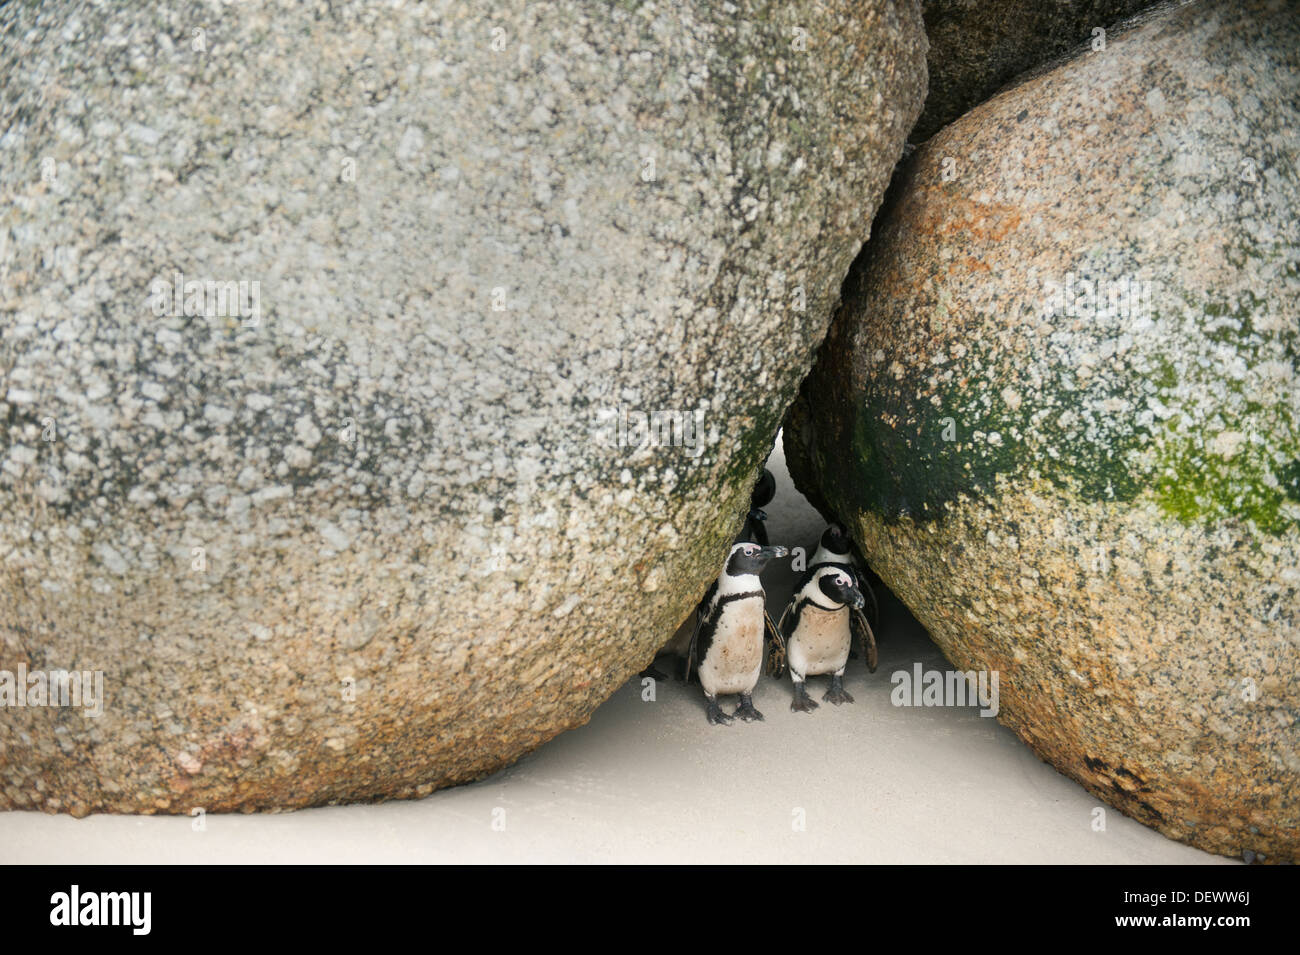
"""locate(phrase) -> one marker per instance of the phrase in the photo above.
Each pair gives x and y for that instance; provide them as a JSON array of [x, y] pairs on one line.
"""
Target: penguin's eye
[[842, 580], [751, 551]]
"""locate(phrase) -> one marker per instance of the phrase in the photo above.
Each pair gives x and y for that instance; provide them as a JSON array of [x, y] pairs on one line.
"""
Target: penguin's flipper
[[792, 612], [764, 489], [772, 629], [776, 648], [701, 613], [862, 630], [695, 637]]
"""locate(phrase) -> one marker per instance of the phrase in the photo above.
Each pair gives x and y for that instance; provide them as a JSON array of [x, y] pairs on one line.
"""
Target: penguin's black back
[[753, 532], [764, 490]]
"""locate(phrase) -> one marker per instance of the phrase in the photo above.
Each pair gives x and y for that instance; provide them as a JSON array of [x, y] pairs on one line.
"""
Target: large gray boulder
[[1060, 410], [380, 514]]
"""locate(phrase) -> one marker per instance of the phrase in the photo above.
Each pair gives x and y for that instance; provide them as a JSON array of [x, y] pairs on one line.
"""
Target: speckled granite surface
[[1098, 497], [352, 532], [977, 46]]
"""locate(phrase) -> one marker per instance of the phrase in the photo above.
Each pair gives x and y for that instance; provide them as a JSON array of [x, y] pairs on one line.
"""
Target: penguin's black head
[[842, 588], [751, 559], [764, 490], [835, 539]]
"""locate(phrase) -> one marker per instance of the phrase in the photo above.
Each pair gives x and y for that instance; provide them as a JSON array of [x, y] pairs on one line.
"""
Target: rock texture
[[976, 48], [363, 531], [1060, 410]]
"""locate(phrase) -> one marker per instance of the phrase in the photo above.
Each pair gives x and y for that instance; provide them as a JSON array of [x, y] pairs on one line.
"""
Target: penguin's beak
[[771, 553], [758, 514], [853, 597]]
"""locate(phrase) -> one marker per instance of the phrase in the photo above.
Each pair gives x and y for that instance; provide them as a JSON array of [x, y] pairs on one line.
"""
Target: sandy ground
[[648, 780]]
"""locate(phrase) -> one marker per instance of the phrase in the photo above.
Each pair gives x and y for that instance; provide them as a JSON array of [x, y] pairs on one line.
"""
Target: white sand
[[653, 782]]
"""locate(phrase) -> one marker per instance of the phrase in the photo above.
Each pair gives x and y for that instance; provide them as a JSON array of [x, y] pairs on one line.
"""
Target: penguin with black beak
[[820, 622], [731, 627], [836, 547], [754, 531]]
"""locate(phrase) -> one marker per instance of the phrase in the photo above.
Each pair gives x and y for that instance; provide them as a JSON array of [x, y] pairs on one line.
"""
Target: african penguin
[[754, 531], [835, 547], [764, 490], [819, 631], [730, 630]]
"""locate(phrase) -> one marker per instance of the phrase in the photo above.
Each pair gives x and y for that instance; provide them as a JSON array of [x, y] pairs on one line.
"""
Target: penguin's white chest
[[820, 643], [735, 658]]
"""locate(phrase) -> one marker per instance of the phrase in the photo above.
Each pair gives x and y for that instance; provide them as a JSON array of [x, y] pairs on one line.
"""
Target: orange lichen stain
[[938, 213]]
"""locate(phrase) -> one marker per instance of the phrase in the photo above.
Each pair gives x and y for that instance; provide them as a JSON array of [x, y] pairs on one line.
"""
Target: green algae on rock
[[1067, 368], [360, 537]]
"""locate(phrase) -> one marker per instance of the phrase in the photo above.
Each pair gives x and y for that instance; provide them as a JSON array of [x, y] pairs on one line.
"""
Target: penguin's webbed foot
[[837, 694], [716, 716], [802, 702], [746, 711]]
